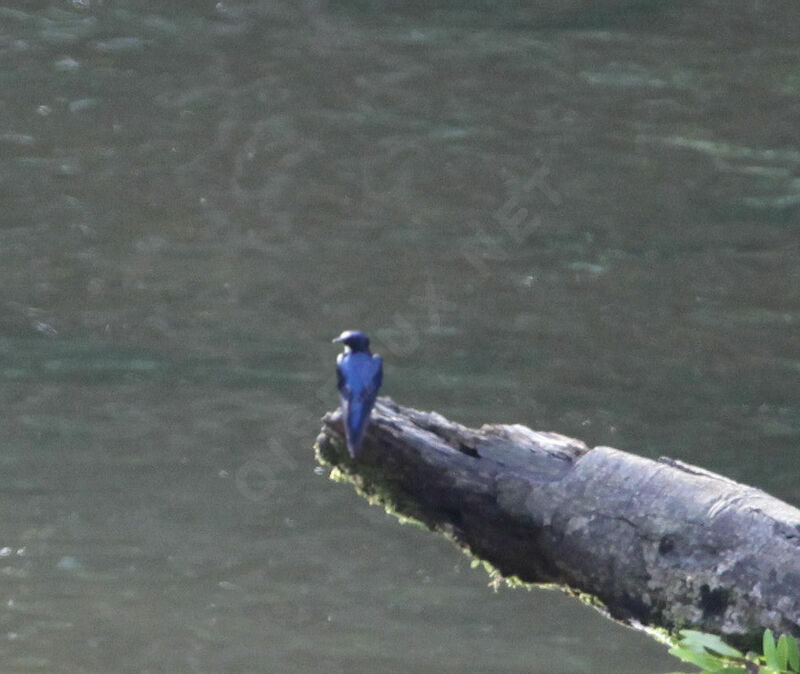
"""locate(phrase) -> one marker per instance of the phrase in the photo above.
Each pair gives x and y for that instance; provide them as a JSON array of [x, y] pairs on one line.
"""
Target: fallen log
[[652, 543]]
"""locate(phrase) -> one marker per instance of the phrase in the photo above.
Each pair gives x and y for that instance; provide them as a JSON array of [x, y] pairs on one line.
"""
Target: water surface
[[581, 219]]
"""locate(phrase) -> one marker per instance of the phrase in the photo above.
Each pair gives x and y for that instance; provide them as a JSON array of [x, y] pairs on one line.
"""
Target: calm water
[[585, 221]]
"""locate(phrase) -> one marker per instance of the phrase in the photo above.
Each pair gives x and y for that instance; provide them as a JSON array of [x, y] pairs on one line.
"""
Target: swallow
[[359, 375]]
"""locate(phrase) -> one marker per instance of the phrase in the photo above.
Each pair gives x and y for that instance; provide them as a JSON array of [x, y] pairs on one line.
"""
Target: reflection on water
[[582, 219]]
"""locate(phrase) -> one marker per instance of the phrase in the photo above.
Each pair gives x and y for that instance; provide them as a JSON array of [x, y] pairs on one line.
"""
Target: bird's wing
[[372, 383], [377, 380], [370, 377]]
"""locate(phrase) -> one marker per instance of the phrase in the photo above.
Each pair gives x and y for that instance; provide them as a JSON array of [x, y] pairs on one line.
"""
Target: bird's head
[[353, 340]]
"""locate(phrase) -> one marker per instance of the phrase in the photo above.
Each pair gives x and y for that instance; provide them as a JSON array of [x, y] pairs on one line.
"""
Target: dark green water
[[581, 218]]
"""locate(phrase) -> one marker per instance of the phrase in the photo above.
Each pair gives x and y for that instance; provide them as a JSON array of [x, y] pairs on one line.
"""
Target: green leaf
[[782, 652], [794, 653], [770, 655], [697, 641], [702, 660]]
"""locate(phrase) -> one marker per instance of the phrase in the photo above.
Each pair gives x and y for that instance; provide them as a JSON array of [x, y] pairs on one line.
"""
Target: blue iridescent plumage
[[359, 377]]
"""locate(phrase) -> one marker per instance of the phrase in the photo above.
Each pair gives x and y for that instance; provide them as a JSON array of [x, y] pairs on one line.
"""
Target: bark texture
[[659, 543]]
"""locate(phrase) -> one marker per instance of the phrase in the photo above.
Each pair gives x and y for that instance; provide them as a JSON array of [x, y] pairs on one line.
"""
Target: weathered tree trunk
[[659, 543]]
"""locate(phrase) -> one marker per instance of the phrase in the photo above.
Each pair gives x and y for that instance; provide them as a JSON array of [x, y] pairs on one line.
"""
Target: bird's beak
[[337, 339]]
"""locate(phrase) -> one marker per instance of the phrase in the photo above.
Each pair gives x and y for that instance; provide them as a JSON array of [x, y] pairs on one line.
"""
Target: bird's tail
[[356, 422]]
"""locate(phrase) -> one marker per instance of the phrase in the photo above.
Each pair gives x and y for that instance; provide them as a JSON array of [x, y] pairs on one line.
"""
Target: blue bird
[[360, 375]]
